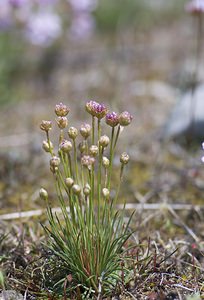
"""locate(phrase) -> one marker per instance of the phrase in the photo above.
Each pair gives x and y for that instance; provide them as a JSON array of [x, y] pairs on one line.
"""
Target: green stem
[[111, 157], [75, 161], [93, 131], [99, 172], [116, 138], [48, 140]]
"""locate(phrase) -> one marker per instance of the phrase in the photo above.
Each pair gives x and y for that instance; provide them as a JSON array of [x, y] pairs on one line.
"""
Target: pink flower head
[[112, 119], [125, 118], [195, 7], [100, 110], [90, 107], [61, 109]]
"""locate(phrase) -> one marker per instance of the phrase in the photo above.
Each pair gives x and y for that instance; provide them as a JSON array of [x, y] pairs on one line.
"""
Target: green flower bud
[[82, 147], [87, 189], [85, 130], [69, 182], [87, 161], [106, 193], [47, 146], [46, 125], [43, 194], [61, 110], [62, 122], [54, 161], [76, 189], [72, 132], [125, 118], [65, 146], [104, 141], [105, 162], [124, 158], [93, 150]]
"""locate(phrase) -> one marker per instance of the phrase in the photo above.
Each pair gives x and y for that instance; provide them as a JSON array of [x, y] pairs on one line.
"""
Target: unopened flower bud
[[105, 162], [69, 182], [104, 141], [65, 146], [72, 132], [46, 125], [106, 193], [125, 118], [62, 122], [82, 147], [87, 161], [112, 119], [90, 107], [43, 194], [53, 169], [124, 158], [47, 146], [93, 150], [85, 130], [54, 161], [61, 110], [76, 189], [86, 189]]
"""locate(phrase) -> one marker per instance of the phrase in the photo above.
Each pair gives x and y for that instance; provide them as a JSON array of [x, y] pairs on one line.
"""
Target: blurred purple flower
[[83, 5], [43, 28], [5, 15], [17, 3], [82, 26], [195, 6]]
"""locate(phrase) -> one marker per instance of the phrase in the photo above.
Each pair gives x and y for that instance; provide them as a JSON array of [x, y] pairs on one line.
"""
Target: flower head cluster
[[112, 119], [195, 7], [61, 110], [99, 110], [96, 109]]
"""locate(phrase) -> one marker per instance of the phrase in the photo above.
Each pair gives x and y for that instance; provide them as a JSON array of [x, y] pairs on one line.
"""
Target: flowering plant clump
[[90, 237]]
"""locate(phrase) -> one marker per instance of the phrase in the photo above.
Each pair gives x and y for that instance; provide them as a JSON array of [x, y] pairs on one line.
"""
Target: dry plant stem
[[198, 52]]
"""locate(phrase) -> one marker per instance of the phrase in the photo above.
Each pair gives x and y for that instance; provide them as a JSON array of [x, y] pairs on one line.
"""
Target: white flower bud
[[76, 189], [47, 146], [54, 161], [93, 150], [69, 182], [85, 130], [65, 146], [86, 189], [43, 194], [124, 158], [62, 122], [106, 193], [72, 132], [105, 162], [104, 141]]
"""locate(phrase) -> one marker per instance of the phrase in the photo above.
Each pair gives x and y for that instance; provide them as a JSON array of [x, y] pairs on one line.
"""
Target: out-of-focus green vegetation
[[11, 64], [139, 14]]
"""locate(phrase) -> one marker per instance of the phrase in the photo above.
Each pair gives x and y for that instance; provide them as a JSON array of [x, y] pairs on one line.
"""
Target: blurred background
[[133, 55]]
